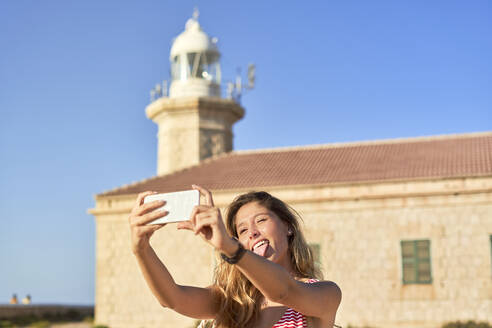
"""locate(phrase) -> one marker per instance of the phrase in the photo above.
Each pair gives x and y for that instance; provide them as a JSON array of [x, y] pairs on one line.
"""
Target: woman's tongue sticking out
[[261, 249]]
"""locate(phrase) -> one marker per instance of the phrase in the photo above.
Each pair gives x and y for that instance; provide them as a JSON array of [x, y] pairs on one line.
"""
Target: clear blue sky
[[75, 79]]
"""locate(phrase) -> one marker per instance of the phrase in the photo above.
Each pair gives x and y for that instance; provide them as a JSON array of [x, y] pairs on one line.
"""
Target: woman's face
[[263, 232]]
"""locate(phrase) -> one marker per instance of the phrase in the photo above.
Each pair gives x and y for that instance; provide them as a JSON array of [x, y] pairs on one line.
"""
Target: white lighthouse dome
[[195, 66], [193, 39]]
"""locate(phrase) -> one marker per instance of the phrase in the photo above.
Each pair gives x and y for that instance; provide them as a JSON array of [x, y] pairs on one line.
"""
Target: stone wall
[[360, 250]]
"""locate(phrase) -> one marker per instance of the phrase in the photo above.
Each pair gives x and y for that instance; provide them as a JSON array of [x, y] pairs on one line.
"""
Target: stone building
[[403, 226]]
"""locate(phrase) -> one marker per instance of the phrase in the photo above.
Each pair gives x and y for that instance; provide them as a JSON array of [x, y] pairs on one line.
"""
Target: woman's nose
[[253, 233]]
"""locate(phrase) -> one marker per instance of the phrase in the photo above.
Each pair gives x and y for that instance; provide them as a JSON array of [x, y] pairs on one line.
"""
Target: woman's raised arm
[[191, 301]]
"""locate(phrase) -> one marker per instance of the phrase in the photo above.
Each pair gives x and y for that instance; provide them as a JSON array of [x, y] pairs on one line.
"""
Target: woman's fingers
[[196, 210], [205, 192], [145, 230], [140, 215], [141, 196], [199, 213], [149, 217], [140, 208], [204, 222], [148, 207], [188, 225]]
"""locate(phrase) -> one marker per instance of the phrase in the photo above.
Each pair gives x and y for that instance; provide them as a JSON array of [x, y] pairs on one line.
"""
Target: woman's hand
[[140, 215], [206, 221]]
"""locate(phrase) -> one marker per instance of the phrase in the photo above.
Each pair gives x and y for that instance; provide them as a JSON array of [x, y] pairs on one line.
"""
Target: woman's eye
[[242, 231], [262, 219]]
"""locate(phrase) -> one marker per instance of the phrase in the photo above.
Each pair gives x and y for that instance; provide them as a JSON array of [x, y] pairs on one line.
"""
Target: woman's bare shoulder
[[328, 287]]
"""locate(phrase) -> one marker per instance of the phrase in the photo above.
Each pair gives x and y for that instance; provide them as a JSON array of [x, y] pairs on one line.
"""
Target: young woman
[[266, 278]]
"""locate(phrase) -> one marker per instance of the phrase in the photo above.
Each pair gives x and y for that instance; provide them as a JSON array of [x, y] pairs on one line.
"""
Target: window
[[416, 262], [176, 68], [203, 65]]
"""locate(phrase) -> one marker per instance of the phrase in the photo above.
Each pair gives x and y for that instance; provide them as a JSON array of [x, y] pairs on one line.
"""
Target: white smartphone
[[179, 205]]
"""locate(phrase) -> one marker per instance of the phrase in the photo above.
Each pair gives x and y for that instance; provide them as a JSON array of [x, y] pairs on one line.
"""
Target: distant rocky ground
[[46, 316], [72, 325]]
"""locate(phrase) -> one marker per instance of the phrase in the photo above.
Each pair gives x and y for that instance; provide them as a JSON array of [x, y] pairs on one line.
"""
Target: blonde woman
[[266, 276]]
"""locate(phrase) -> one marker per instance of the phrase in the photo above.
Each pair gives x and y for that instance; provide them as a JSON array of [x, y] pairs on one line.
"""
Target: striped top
[[292, 318]]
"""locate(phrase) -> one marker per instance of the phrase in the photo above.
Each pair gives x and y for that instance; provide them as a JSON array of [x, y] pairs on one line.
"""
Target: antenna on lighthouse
[[251, 75], [235, 89], [239, 84]]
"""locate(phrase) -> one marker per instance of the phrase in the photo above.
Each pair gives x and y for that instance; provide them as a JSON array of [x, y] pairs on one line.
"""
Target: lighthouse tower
[[194, 121]]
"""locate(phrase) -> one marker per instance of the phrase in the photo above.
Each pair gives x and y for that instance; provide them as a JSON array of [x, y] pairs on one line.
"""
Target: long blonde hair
[[239, 300]]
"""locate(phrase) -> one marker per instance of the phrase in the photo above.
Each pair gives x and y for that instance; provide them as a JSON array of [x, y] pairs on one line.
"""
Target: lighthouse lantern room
[[195, 65]]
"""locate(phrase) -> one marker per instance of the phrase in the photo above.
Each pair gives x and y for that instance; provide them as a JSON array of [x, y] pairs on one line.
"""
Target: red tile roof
[[452, 156]]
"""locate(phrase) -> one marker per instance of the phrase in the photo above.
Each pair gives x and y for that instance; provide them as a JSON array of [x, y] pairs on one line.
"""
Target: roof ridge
[[365, 143]]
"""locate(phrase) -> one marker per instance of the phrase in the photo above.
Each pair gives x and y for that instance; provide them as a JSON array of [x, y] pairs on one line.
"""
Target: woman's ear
[[287, 228]]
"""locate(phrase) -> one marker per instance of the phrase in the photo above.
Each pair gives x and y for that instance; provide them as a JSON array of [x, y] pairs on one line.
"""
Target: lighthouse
[[194, 120]]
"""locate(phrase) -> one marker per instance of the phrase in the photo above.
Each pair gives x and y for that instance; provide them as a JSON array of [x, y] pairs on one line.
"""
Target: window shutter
[[416, 262]]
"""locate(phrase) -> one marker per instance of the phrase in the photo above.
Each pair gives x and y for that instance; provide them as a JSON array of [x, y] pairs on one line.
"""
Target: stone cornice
[[169, 105]]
